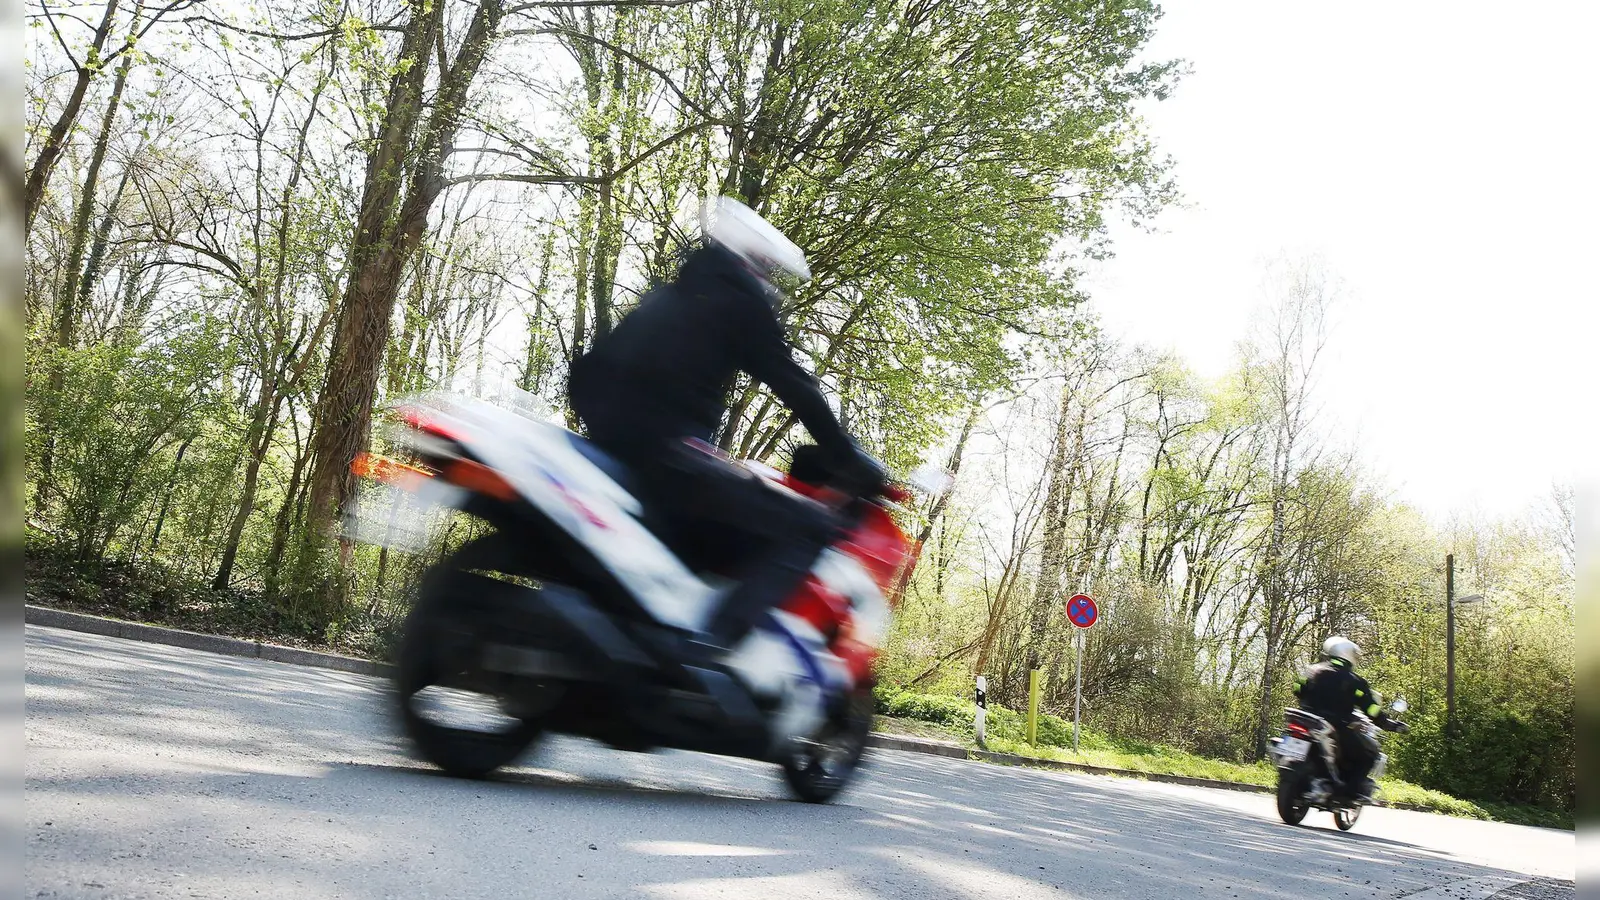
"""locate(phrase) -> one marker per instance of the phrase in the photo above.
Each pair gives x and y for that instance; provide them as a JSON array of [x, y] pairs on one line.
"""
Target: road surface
[[158, 772]]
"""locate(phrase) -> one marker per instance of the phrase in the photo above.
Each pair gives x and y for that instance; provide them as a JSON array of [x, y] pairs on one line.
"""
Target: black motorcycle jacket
[[1331, 690], [665, 370]]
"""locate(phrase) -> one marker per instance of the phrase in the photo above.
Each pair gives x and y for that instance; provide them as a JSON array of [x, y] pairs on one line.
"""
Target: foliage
[[1124, 472]]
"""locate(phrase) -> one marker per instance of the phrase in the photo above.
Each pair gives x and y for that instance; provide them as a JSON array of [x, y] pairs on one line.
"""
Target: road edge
[[953, 751], [50, 617]]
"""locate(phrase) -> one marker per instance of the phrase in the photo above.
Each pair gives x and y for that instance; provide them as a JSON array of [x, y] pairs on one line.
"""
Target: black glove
[[857, 473], [1398, 726]]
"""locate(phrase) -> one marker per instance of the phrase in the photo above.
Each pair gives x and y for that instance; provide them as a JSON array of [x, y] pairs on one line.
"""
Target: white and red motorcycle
[[566, 613]]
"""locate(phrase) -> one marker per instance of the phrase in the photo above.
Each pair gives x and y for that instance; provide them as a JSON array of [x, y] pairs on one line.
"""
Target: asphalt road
[[158, 772]]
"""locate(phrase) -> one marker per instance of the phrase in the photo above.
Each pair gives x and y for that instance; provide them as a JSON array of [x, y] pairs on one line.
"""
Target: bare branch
[[50, 17], [666, 77], [522, 178], [580, 4], [559, 178], [279, 36], [155, 19]]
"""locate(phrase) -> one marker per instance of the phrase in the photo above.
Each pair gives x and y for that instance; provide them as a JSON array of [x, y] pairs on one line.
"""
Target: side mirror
[[1400, 705], [931, 480]]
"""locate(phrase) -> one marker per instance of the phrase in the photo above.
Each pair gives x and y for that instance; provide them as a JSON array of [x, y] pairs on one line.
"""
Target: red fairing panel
[[882, 550]]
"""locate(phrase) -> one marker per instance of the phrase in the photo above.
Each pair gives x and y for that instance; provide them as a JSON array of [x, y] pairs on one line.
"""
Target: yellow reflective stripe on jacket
[[1374, 709]]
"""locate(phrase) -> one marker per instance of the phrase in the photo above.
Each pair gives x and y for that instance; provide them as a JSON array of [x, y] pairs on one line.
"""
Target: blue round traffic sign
[[1082, 611]]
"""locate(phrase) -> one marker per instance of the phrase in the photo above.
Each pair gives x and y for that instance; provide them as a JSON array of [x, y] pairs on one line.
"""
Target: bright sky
[[1441, 159]]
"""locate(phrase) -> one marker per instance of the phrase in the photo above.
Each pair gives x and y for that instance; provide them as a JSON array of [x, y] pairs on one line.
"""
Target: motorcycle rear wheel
[[1345, 817], [439, 648], [819, 768], [1291, 788]]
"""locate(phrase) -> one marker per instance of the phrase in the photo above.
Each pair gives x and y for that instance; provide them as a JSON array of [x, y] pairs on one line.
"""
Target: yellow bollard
[[1033, 706]]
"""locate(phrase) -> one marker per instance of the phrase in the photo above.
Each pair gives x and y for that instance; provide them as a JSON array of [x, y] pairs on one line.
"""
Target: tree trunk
[[67, 305], [285, 521], [67, 311], [953, 468], [383, 242], [1057, 507], [537, 361], [1273, 595], [101, 246], [55, 143], [258, 439], [166, 499]]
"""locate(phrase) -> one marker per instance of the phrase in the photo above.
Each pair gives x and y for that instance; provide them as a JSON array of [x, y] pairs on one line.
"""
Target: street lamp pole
[[1450, 601], [1450, 643]]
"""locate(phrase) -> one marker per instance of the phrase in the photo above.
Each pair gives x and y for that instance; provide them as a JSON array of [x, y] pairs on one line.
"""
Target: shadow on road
[[292, 777]]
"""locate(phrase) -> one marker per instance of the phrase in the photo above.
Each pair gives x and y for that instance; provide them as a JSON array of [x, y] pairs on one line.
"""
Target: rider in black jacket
[[1334, 691], [653, 392]]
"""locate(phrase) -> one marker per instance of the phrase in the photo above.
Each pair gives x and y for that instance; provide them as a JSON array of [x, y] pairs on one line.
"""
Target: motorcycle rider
[[653, 393], [1333, 690]]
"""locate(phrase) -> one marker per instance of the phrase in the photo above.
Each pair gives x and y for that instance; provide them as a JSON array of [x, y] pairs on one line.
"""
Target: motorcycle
[[1307, 758], [568, 613]]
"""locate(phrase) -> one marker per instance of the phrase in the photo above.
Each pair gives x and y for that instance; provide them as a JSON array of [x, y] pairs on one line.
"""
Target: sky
[[1440, 159]]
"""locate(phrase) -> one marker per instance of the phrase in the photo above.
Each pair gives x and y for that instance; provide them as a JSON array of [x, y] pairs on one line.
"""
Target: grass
[[949, 719], [1165, 761]]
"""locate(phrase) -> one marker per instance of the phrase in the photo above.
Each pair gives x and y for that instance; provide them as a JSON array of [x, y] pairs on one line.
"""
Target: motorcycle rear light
[[390, 471], [479, 478], [1298, 730]]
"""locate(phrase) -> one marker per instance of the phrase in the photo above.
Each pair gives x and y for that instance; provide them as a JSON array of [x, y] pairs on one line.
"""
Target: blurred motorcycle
[[567, 611]]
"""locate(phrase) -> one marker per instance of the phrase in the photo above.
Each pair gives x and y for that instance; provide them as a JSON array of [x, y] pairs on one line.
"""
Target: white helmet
[[1340, 647], [740, 229]]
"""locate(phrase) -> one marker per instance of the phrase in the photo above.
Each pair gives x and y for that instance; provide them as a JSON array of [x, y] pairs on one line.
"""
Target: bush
[[1002, 723]]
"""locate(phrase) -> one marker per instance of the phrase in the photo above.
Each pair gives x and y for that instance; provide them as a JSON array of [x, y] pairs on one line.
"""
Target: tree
[[404, 177], [99, 53], [1296, 336]]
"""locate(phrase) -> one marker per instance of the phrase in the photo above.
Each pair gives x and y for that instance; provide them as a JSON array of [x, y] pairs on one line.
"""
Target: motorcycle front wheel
[[1291, 790], [1346, 817], [818, 768]]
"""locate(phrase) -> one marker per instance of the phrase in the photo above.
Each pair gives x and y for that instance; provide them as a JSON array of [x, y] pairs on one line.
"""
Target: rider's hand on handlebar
[[858, 473]]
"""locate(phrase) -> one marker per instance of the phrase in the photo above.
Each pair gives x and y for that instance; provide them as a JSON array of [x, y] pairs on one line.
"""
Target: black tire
[[1291, 788], [819, 770], [1345, 817], [439, 648]]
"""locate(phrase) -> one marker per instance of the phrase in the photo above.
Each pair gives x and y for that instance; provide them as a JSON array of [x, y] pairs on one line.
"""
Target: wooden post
[[1033, 706]]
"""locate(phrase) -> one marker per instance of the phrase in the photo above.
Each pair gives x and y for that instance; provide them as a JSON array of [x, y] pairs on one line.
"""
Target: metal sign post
[[1082, 612], [1077, 691]]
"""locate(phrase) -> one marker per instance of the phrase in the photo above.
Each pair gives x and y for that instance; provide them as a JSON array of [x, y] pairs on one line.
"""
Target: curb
[[953, 751], [191, 640]]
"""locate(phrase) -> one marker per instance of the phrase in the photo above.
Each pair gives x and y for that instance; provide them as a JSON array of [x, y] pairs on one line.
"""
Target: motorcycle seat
[[708, 547]]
